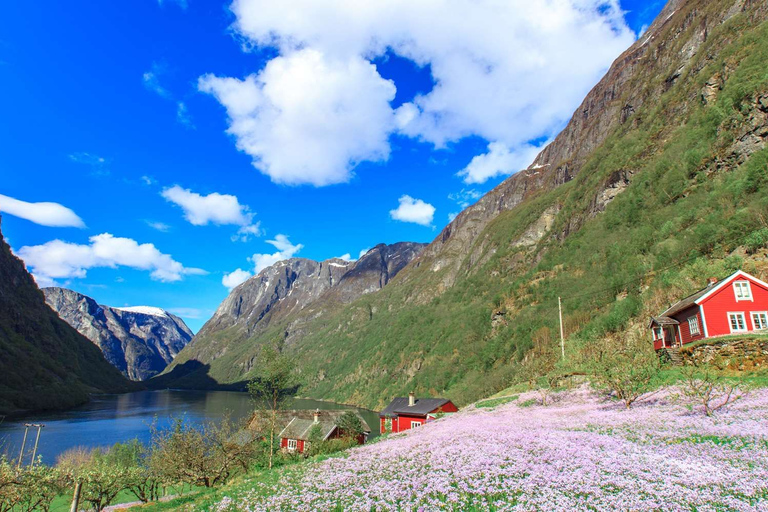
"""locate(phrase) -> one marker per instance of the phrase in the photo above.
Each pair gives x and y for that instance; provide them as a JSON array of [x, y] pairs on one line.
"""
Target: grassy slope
[[687, 208], [45, 363]]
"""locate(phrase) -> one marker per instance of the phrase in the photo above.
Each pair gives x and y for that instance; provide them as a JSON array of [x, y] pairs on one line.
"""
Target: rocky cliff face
[[288, 292], [140, 341], [44, 363]]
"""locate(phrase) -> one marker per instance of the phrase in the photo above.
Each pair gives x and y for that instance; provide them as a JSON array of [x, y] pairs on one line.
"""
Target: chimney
[[317, 416], [411, 399], [712, 282]]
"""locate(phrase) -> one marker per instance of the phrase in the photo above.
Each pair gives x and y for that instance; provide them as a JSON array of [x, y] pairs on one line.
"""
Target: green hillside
[[675, 193], [45, 363]]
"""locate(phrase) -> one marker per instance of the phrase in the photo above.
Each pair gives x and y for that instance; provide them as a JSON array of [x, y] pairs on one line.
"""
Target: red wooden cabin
[[406, 413], [737, 304], [295, 436]]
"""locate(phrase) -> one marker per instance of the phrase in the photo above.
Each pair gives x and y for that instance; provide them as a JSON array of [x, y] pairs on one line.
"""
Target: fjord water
[[109, 419]]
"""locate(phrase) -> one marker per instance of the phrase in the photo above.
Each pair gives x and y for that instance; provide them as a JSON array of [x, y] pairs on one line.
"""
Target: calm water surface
[[109, 419]]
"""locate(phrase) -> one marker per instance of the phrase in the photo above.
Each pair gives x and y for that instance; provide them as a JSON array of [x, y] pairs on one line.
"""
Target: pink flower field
[[582, 453]]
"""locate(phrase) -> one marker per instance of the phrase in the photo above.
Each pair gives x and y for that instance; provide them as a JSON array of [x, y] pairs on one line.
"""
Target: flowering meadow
[[581, 452]]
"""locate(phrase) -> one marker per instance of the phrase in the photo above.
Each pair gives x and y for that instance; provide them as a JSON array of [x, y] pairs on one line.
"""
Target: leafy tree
[[29, 489], [350, 425], [273, 388]]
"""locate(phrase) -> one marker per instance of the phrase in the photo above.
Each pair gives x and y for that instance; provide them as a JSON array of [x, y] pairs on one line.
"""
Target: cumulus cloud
[[308, 118], [345, 257], [509, 72], [60, 260], [214, 208], [45, 214], [235, 278], [285, 250], [498, 161], [413, 210]]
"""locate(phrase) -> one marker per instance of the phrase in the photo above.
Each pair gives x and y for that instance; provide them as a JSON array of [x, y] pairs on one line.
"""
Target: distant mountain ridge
[[289, 292], [44, 363], [140, 341]]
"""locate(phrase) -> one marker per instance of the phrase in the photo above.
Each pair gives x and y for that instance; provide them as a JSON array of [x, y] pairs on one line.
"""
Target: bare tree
[[707, 386]]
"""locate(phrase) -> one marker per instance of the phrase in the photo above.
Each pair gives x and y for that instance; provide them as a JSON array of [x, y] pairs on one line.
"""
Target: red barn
[[737, 304], [405, 413]]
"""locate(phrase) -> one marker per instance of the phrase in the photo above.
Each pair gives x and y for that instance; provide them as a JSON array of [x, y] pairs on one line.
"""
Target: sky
[[162, 153]]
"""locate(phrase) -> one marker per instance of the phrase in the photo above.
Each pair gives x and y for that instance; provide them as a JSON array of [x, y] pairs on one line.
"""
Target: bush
[[706, 386]]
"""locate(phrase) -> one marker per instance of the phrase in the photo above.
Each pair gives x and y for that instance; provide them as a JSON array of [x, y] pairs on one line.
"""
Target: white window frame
[[744, 285], [292, 445], [743, 321], [764, 320], [694, 329], [415, 423]]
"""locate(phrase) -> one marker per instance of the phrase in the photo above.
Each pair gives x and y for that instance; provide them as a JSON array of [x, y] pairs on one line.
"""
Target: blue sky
[[106, 109]]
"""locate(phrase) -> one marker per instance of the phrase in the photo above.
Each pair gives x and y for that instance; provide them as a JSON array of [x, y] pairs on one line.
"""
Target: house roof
[[663, 320], [261, 419], [422, 407], [697, 297], [300, 429]]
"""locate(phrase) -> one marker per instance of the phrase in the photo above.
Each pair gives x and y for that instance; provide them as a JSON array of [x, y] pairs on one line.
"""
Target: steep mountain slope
[[282, 294], [659, 181], [45, 364], [139, 341]]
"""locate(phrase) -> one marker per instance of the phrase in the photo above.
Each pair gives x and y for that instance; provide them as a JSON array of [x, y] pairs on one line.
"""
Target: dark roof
[[664, 320], [261, 418], [422, 407], [687, 302], [299, 429]]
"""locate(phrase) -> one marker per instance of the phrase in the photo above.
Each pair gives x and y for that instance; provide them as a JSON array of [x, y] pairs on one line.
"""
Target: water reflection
[[109, 419]]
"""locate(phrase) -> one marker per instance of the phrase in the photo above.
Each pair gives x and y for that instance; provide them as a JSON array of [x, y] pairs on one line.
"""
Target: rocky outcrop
[[667, 49], [749, 353], [139, 341], [294, 291], [44, 363]]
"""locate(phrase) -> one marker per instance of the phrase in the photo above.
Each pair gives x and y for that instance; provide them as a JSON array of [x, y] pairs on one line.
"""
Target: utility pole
[[37, 440], [562, 332], [23, 444]]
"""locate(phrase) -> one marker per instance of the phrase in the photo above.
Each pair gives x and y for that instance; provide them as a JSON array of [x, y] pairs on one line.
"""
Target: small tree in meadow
[[273, 388], [627, 368], [705, 385], [28, 489], [350, 425]]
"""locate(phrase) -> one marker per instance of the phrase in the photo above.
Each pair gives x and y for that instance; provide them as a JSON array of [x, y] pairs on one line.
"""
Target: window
[[415, 424], [292, 444], [693, 326], [760, 320], [738, 324], [742, 290], [658, 333]]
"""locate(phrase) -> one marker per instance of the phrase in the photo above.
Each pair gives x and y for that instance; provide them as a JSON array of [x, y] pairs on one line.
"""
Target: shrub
[[706, 386]]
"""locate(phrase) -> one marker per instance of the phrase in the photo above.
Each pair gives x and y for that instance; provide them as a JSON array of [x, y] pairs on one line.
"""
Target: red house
[[406, 413], [737, 304], [295, 436]]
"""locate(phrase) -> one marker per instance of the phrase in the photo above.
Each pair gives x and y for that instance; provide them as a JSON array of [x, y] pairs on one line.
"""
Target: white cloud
[[345, 257], [509, 72], [498, 161], [148, 180], [159, 226], [214, 208], [307, 118], [182, 115], [285, 250], [452, 216], [235, 278], [465, 197], [98, 164], [60, 260], [413, 210], [151, 81], [363, 252], [45, 214]]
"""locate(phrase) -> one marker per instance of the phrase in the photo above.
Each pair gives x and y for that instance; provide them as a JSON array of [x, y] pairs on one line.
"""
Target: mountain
[[45, 363], [285, 294], [659, 181], [139, 341]]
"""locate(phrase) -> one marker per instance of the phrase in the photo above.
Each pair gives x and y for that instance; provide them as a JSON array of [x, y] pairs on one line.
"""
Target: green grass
[[495, 402]]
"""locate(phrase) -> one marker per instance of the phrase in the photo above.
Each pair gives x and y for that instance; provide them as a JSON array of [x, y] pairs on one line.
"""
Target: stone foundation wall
[[741, 354]]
